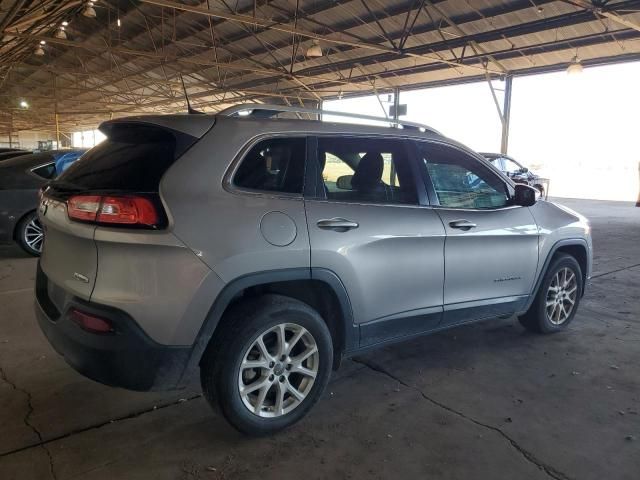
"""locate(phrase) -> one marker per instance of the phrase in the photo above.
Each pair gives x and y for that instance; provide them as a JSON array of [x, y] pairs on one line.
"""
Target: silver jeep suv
[[263, 250]]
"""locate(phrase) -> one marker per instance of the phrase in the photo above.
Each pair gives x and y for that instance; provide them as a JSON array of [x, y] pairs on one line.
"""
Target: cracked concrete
[[42, 442], [549, 470], [27, 421], [482, 401]]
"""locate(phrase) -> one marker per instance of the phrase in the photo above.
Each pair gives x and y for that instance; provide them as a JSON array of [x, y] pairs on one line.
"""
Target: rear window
[[132, 158]]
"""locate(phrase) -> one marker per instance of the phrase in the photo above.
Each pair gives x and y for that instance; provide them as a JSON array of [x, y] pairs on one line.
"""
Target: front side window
[[274, 165], [461, 181], [369, 170]]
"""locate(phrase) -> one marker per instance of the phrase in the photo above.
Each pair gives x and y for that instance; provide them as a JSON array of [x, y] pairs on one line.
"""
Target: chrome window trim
[[369, 204]]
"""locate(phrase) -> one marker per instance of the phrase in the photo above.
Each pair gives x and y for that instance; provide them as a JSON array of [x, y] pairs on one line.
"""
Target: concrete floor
[[485, 401]]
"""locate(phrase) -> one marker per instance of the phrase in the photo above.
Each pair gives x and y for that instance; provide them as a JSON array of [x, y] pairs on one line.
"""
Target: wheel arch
[[320, 288], [18, 222], [577, 248]]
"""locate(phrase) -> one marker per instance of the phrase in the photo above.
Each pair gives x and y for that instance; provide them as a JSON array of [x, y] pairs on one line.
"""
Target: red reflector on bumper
[[91, 323]]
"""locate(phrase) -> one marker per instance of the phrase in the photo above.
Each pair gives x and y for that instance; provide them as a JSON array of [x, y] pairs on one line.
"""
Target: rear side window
[[369, 170], [47, 171], [274, 165], [132, 158]]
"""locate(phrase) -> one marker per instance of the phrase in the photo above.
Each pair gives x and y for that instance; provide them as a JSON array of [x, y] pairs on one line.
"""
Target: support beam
[[396, 104], [606, 13], [506, 114], [507, 54], [477, 48], [257, 22]]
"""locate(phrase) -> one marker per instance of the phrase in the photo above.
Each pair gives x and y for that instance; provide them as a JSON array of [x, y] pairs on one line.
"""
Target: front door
[[491, 251], [367, 225]]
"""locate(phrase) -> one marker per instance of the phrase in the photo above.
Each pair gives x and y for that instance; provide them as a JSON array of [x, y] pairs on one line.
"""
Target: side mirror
[[525, 196], [344, 182], [524, 170]]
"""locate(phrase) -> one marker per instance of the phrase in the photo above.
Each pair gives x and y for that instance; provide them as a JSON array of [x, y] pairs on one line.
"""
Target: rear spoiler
[[193, 125]]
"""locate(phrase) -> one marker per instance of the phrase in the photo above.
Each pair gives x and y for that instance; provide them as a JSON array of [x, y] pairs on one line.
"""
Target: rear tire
[[558, 297], [257, 380], [29, 234]]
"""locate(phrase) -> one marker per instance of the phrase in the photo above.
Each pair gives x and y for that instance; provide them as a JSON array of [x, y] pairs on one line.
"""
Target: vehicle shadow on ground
[[12, 252]]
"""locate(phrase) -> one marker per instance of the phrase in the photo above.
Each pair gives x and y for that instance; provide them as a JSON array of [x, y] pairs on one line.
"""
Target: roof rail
[[259, 110]]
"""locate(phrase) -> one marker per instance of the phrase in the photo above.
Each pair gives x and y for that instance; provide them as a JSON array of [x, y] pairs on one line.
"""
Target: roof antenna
[[190, 110]]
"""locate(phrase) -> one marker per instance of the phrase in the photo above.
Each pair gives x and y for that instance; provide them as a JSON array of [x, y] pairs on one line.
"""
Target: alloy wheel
[[34, 234], [278, 370], [561, 296]]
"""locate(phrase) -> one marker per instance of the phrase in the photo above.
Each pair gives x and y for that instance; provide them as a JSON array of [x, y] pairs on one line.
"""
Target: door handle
[[462, 224], [337, 224]]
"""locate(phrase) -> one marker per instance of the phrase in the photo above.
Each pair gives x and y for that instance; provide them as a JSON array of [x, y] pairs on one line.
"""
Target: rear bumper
[[127, 358]]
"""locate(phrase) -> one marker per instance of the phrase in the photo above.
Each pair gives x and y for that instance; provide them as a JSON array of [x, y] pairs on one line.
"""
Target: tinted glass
[[366, 170], [46, 171], [132, 158], [275, 165], [460, 180]]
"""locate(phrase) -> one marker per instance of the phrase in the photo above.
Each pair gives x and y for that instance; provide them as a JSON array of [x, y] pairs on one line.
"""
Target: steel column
[[506, 114], [396, 104]]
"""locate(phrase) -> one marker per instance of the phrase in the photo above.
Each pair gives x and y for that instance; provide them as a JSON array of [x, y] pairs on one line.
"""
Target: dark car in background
[[20, 180], [518, 173], [7, 153], [10, 149]]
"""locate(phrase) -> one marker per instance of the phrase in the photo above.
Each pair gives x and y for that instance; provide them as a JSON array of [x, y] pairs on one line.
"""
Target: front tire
[[30, 234], [558, 297], [269, 364]]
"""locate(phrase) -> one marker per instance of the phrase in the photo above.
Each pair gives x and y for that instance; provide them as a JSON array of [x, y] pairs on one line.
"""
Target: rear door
[[367, 225], [491, 251]]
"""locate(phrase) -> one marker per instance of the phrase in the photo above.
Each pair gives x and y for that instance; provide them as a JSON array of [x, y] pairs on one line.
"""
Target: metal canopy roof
[[128, 59]]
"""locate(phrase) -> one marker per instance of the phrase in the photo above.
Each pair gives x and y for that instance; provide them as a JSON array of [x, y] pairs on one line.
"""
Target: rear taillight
[[91, 323], [113, 210], [84, 207]]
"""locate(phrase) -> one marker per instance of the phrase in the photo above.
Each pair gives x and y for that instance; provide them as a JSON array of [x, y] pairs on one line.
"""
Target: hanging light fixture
[[39, 51], [575, 67], [89, 11], [314, 51], [61, 34]]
